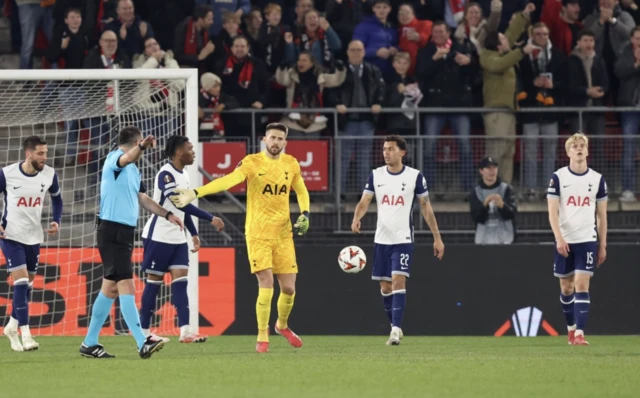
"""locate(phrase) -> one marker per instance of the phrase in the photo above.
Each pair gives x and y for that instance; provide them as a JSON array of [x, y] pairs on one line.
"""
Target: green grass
[[325, 367]]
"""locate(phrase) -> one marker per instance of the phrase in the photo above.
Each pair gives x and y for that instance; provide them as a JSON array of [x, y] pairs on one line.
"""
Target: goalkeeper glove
[[302, 224], [183, 197]]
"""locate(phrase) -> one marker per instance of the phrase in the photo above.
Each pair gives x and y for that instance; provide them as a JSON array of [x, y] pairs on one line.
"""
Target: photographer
[[493, 207]]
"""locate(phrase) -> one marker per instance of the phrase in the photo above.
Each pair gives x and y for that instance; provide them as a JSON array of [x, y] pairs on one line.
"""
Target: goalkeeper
[[270, 176]]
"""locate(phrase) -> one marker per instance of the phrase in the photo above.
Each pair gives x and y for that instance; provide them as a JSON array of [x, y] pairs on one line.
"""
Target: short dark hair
[[30, 143], [585, 32], [440, 22], [492, 41], [72, 9], [399, 140], [240, 37], [279, 127], [201, 11], [173, 144], [129, 135]]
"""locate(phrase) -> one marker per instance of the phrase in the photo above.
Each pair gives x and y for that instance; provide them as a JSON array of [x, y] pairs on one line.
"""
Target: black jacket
[[629, 75], [374, 88], [258, 89], [191, 60], [577, 81], [397, 122], [273, 41], [344, 16], [75, 52], [444, 83], [479, 213], [557, 67], [94, 60]]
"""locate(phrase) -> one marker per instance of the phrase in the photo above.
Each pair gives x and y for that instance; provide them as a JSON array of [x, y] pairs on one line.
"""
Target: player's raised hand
[[563, 247], [183, 197], [355, 226], [438, 249], [301, 226], [148, 142], [173, 219], [196, 244], [53, 228], [217, 223], [602, 256]]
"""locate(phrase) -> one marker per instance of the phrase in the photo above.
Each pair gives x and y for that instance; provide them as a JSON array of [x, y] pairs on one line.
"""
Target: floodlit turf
[[330, 367]]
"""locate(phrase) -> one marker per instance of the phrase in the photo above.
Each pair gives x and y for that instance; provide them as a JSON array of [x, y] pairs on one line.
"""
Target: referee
[[121, 194]]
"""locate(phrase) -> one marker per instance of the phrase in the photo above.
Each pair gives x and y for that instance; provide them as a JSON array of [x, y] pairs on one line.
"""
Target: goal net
[[79, 113]]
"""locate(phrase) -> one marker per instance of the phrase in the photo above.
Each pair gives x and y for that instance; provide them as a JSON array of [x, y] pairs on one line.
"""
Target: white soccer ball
[[352, 259]]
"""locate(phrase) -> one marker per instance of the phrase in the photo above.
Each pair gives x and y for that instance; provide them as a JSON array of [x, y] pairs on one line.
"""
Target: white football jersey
[[395, 194], [157, 228], [23, 201], [578, 194]]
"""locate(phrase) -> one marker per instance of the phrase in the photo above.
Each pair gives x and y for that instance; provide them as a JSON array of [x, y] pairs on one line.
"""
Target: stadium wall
[[474, 290]]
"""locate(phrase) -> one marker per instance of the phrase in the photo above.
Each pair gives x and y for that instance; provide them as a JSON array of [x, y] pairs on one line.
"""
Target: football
[[352, 259]]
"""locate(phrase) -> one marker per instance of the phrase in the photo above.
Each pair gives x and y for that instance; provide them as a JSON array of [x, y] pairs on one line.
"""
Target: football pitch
[[330, 367]]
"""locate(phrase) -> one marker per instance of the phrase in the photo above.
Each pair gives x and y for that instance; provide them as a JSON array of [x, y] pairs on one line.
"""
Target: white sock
[[570, 328], [25, 331], [13, 323], [579, 332], [146, 332], [185, 330], [395, 329]]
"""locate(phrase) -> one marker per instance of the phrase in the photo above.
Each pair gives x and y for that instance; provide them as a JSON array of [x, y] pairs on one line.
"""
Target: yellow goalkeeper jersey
[[269, 183]]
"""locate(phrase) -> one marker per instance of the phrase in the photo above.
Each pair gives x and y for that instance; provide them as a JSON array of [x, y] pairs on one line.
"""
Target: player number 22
[[589, 257], [404, 260]]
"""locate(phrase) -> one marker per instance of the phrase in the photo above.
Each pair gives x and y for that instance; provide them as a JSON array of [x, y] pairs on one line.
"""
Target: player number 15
[[589, 257]]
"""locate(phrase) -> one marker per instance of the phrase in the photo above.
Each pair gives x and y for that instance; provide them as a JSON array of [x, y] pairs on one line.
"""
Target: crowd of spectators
[[371, 54]]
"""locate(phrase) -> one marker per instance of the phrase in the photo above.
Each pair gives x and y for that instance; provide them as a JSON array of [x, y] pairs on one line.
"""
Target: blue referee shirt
[[119, 191]]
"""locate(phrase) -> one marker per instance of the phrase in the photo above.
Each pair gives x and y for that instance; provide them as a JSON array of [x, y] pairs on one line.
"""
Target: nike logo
[[566, 186], [17, 187], [261, 174], [590, 267], [381, 185], [404, 267], [583, 312]]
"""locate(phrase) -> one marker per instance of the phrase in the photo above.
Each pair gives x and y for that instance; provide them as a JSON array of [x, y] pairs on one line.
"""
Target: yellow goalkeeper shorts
[[276, 254]]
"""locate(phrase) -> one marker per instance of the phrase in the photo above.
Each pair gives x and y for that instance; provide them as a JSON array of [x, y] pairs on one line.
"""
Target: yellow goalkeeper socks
[[263, 311], [285, 305]]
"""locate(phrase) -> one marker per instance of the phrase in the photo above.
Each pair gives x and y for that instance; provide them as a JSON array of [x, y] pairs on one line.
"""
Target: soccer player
[[395, 187], [25, 184], [165, 244], [575, 196], [270, 176], [121, 194]]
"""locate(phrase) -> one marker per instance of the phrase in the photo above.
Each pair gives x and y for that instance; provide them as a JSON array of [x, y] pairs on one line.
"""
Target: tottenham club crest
[[167, 178]]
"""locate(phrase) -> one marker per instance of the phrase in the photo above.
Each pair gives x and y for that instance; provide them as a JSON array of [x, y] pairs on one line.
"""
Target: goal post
[[79, 113]]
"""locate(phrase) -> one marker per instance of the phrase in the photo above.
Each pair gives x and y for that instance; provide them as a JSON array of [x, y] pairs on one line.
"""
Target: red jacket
[[560, 32], [412, 47]]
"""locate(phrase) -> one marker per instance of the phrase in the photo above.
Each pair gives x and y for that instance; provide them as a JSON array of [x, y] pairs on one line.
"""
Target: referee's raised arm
[[134, 154]]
